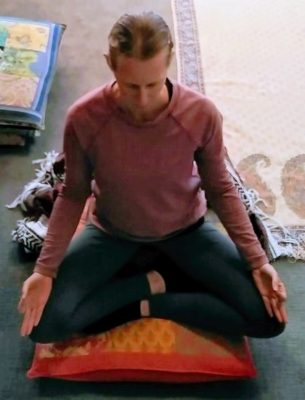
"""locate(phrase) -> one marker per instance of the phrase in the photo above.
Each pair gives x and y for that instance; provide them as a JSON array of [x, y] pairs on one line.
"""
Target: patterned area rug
[[247, 57]]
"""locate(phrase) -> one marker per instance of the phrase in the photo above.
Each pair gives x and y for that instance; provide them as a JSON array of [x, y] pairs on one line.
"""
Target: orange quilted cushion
[[145, 350]]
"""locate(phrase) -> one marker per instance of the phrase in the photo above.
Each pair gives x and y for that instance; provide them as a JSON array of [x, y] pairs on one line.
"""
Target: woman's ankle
[[156, 282], [144, 308]]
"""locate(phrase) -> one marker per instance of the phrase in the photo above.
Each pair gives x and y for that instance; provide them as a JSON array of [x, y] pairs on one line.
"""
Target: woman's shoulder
[[91, 104], [191, 99], [193, 110]]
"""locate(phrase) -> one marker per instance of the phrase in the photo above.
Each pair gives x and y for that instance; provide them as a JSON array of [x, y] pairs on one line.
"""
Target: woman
[[145, 146]]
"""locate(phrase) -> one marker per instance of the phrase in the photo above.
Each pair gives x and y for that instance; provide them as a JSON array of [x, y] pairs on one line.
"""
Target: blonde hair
[[140, 36]]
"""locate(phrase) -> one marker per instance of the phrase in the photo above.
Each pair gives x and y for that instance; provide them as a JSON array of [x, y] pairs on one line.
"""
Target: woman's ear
[[108, 61], [170, 57]]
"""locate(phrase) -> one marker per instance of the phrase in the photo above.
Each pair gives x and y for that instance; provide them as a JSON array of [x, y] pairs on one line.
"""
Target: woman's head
[[139, 36], [140, 50]]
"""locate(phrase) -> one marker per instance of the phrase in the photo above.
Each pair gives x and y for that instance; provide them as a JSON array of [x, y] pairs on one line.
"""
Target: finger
[[280, 287], [24, 325], [275, 307], [268, 305], [23, 295], [27, 322], [38, 315], [24, 292], [21, 305], [283, 312], [31, 322], [282, 292], [276, 282], [281, 297]]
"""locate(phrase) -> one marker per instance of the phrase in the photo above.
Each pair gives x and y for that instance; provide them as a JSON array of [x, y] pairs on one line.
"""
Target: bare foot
[[144, 308], [156, 282]]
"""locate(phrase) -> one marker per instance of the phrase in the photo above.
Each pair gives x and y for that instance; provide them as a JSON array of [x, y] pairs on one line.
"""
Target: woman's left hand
[[272, 290]]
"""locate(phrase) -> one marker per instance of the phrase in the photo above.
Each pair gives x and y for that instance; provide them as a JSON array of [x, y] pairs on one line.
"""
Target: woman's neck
[[140, 116]]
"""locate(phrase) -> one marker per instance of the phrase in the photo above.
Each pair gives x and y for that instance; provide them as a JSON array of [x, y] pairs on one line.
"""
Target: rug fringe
[[279, 241], [45, 178]]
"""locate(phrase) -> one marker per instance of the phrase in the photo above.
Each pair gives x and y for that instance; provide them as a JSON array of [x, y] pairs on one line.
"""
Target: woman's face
[[141, 82]]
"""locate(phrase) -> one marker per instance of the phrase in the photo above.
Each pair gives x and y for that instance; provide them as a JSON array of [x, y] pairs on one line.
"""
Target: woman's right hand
[[34, 296]]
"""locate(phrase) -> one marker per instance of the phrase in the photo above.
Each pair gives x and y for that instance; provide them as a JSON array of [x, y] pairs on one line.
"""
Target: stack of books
[[28, 54], [17, 135]]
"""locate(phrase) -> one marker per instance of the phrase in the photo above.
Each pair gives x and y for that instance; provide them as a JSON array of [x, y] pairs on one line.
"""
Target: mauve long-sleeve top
[[149, 179]]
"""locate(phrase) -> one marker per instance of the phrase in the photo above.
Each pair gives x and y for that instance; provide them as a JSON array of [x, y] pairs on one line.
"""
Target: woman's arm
[[69, 203], [221, 192]]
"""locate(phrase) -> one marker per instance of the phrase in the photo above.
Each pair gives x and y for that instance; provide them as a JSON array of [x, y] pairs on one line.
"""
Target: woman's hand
[[35, 293], [272, 290]]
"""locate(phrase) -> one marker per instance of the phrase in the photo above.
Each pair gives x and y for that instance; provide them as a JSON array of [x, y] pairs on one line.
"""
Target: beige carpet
[[248, 57]]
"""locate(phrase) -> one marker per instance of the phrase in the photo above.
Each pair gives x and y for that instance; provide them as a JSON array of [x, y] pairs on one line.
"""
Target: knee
[[275, 328], [38, 338], [51, 329], [50, 334], [41, 335], [47, 332], [267, 329]]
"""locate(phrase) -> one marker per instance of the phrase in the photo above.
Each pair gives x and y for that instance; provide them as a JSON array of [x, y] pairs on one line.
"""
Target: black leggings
[[209, 287]]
